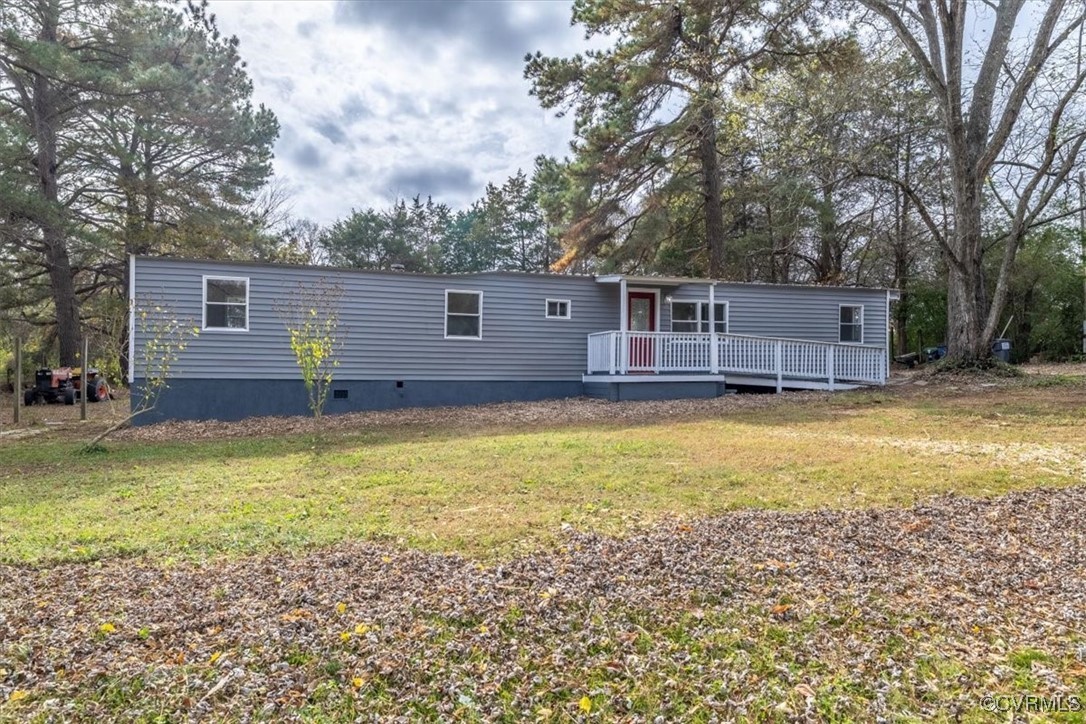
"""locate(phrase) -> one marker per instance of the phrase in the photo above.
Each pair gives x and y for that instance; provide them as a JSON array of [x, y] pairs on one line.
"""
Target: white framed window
[[558, 309], [226, 304], [851, 321], [463, 314], [692, 316]]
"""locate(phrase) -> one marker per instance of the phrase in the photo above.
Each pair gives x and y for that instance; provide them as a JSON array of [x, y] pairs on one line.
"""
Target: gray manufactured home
[[452, 339]]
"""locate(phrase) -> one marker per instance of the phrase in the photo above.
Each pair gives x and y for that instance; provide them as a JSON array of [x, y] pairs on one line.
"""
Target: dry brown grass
[[495, 479], [257, 597]]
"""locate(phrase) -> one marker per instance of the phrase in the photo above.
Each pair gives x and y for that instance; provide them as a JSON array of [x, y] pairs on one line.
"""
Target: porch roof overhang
[[651, 280], [666, 281]]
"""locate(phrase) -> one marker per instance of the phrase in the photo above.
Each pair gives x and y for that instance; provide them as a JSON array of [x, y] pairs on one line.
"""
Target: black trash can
[[1001, 349]]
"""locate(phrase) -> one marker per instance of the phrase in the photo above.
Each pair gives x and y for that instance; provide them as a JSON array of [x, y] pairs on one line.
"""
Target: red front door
[[641, 317]]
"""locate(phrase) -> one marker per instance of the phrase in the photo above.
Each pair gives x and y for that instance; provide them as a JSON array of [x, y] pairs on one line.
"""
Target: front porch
[[712, 357]]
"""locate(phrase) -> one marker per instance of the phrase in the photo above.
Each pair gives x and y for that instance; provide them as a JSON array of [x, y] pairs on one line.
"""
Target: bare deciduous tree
[[1012, 123], [164, 336]]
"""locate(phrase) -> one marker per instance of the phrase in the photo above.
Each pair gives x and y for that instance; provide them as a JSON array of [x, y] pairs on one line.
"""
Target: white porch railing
[[683, 352]]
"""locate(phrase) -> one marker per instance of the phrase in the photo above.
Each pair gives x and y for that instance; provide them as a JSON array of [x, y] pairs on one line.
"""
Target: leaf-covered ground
[[874, 596], [897, 614]]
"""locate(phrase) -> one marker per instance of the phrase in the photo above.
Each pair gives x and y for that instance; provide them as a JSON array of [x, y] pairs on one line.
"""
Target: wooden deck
[[738, 359]]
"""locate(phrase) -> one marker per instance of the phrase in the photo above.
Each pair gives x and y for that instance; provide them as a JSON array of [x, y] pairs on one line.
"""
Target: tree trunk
[[1024, 326], [64, 299], [966, 305], [136, 226], [711, 190], [829, 252], [903, 206], [46, 100], [901, 309], [963, 318], [773, 276]]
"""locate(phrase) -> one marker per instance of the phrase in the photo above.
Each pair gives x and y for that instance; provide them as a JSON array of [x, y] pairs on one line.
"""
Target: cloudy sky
[[379, 100]]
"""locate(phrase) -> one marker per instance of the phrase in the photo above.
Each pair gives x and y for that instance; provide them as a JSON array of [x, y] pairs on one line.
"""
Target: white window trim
[[476, 292], [547, 309], [839, 322], [699, 320], [203, 306]]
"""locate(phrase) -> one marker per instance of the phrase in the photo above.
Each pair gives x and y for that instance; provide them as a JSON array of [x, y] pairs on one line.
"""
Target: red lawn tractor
[[65, 384]]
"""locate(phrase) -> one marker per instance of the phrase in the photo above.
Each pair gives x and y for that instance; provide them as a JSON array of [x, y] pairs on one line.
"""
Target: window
[[226, 303], [852, 324], [558, 309], [694, 317], [463, 314]]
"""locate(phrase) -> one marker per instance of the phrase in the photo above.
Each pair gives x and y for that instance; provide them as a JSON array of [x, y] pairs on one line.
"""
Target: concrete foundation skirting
[[192, 399], [618, 391]]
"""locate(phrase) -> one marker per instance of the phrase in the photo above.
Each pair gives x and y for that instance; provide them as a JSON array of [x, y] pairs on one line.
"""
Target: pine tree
[[125, 127], [649, 109]]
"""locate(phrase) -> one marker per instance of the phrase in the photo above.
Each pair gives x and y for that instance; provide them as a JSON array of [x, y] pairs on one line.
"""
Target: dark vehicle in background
[[1001, 350], [928, 354], [65, 385]]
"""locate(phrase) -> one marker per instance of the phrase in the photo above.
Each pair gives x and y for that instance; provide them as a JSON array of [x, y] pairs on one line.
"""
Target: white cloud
[[385, 99]]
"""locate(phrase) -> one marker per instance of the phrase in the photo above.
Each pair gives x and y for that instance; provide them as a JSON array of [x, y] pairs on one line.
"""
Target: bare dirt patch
[[63, 416]]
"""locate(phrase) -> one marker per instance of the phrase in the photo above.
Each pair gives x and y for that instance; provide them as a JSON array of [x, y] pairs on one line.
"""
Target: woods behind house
[[934, 149]]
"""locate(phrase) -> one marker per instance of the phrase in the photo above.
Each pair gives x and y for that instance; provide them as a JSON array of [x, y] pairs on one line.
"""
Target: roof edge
[[599, 278], [675, 281]]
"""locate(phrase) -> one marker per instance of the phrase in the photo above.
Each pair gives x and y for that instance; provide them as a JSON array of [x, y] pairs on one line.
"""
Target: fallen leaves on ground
[[860, 614], [573, 410]]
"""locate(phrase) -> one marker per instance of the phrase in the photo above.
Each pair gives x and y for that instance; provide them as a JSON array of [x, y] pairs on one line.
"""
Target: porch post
[[830, 372], [624, 348], [714, 355], [778, 362]]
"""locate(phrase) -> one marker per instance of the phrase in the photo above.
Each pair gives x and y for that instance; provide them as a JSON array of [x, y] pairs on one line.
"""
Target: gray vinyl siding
[[782, 311], [394, 323]]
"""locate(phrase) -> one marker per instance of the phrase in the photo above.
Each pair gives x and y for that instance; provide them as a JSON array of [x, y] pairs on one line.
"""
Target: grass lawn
[[304, 576], [492, 492]]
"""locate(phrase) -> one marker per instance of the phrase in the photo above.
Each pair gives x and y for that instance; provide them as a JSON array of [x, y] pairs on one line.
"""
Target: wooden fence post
[[83, 381], [18, 379]]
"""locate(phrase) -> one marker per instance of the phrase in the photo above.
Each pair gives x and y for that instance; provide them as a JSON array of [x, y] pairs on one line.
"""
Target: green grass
[[489, 492], [493, 492]]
